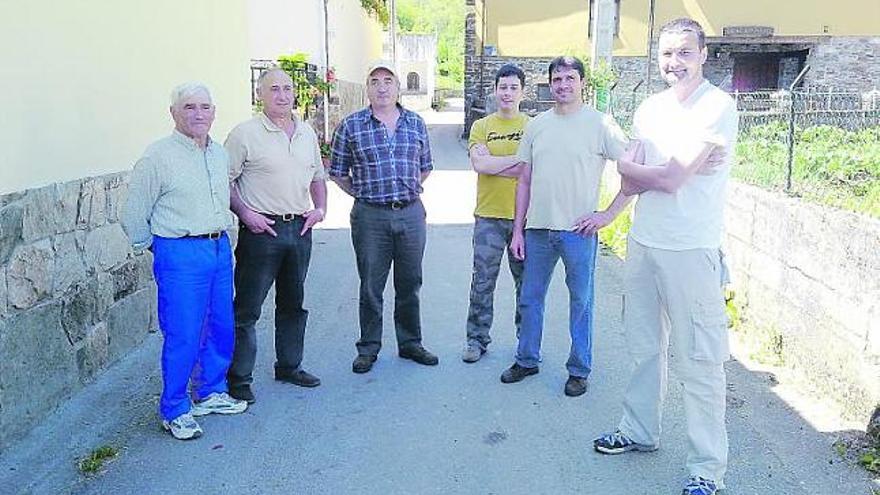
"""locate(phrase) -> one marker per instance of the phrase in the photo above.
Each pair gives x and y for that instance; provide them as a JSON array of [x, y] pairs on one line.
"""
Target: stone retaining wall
[[811, 275], [73, 297]]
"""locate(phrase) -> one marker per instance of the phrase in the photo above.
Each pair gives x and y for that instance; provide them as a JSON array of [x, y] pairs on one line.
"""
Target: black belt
[[394, 205], [210, 235], [287, 217]]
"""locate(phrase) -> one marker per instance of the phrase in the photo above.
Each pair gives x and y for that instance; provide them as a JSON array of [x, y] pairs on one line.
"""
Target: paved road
[[408, 429]]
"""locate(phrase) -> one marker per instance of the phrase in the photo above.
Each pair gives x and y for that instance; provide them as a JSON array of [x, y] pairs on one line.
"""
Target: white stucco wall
[[85, 84]]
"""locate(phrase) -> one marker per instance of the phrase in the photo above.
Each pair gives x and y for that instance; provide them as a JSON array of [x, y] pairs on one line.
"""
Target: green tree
[[445, 18]]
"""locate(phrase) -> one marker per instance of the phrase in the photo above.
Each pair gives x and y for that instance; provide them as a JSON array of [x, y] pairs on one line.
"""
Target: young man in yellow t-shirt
[[493, 143]]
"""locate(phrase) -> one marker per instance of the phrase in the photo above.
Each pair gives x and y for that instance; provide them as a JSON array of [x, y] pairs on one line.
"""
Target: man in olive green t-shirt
[[493, 143], [563, 153]]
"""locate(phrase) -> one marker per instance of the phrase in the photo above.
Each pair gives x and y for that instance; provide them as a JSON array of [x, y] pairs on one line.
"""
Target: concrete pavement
[[405, 428]]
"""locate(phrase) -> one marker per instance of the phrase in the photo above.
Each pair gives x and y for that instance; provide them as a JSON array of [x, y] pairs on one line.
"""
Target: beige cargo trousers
[[677, 295]]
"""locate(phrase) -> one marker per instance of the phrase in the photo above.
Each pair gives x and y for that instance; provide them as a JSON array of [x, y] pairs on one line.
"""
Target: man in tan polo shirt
[[278, 191]]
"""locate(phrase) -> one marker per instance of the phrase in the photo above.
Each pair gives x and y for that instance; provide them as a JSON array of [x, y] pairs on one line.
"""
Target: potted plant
[[601, 78]]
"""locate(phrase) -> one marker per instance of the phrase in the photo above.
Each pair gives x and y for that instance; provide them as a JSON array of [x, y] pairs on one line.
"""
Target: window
[[616, 19], [412, 81], [543, 92]]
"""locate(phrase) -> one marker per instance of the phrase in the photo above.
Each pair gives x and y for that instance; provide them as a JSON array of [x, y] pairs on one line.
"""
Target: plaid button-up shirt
[[383, 168]]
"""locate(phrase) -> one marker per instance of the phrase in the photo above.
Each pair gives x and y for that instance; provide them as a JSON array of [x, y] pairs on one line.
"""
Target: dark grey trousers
[[382, 236], [260, 261]]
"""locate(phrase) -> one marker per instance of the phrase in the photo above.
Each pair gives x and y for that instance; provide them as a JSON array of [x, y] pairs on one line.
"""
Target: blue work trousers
[[194, 278]]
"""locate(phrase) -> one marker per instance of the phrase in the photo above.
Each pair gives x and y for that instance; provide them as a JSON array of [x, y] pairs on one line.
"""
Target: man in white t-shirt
[[672, 284]]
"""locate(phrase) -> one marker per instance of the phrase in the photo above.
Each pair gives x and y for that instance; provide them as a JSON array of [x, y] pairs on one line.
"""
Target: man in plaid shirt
[[381, 156]]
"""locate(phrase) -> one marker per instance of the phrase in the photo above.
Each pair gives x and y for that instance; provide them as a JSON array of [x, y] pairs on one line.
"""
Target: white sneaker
[[472, 352], [218, 403], [183, 427]]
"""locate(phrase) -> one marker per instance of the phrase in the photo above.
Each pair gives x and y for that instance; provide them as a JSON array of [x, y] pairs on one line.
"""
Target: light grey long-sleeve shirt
[[177, 189]]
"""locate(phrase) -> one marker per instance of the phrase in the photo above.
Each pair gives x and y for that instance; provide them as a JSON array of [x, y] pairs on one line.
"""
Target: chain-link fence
[[822, 145]]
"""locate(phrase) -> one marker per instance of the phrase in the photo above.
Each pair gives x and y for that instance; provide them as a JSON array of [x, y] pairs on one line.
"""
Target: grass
[[870, 460], [95, 461], [613, 237], [855, 449], [831, 166]]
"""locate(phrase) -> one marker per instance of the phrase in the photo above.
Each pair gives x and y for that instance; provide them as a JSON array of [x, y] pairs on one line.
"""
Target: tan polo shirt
[[273, 173]]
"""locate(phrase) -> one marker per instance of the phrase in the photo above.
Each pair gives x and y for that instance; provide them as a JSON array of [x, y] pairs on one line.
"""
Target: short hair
[[187, 89], [265, 74], [566, 61], [685, 25], [508, 70]]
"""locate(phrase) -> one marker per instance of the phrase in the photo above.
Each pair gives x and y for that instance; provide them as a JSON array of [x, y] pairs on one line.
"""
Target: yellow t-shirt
[[495, 194]]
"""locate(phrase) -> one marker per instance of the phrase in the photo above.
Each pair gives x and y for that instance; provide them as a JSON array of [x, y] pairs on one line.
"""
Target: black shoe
[[363, 363], [418, 354], [575, 386], [242, 392], [299, 377], [517, 373]]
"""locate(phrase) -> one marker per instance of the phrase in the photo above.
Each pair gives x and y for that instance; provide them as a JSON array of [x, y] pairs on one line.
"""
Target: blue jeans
[[578, 253], [194, 278]]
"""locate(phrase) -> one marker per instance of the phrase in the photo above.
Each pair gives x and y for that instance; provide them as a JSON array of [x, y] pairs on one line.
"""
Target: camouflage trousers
[[491, 238]]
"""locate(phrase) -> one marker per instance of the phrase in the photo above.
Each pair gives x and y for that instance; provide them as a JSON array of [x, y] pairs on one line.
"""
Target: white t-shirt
[[567, 154], [693, 216]]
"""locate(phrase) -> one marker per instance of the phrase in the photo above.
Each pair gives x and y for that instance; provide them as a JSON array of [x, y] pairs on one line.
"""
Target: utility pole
[[602, 35], [392, 12], [651, 7], [602, 32], [326, 105]]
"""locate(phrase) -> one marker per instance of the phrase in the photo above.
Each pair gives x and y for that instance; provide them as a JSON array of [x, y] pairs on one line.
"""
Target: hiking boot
[[242, 392], [299, 377], [218, 403], [517, 373], [183, 427], [697, 485], [618, 443], [363, 363], [418, 354], [575, 386], [472, 352]]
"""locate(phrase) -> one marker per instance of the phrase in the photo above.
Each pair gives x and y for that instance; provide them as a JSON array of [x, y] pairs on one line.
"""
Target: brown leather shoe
[[575, 386], [363, 363], [301, 378], [517, 373], [418, 354]]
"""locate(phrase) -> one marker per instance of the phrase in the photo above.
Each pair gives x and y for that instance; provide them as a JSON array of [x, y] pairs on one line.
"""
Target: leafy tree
[[445, 18]]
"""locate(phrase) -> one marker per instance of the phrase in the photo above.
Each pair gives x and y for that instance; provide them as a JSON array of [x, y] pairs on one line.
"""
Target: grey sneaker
[[183, 427], [618, 443], [472, 352], [218, 403]]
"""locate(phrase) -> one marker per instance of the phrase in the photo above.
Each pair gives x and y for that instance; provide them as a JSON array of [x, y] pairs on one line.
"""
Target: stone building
[[417, 66], [752, 45]]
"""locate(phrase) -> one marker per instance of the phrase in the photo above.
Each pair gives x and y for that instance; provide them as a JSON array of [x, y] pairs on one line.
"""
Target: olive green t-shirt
[[567, 154], [495, 194]]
